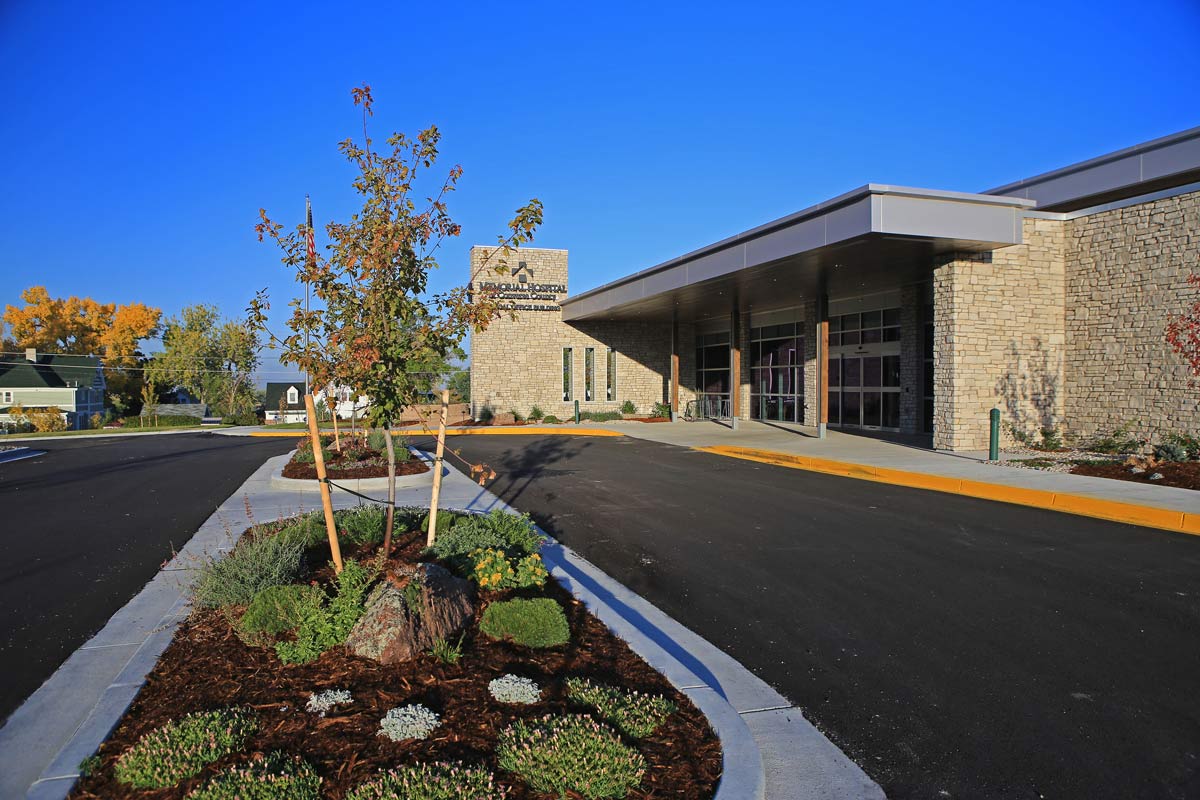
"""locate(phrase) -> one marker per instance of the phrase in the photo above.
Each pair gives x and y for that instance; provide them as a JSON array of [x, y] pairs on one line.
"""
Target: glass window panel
[[716, 357], [872, 371], [835, 324], [928, 376], [781, 380], [787, 410], [568, 366], [891, 316], [850, 322], [891, 410], [589, 374], [872, 336], [891, 334], [835, 408], [850, 408], [872, 319], [851, 371], [835, 339], [850, 338], [927, 420], [755, 333], [891, 371], [871, 408], [928, 343], [612, 375], [835, 371]]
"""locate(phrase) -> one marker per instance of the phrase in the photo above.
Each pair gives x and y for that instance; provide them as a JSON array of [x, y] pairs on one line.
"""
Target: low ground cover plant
[[564, 754], [180, 749], [515, 689], [635, 714], [276, 610], [409, 722], [442, 781], [495, 570], [275, 776], [550, 419], [533, 622], [323, 702]]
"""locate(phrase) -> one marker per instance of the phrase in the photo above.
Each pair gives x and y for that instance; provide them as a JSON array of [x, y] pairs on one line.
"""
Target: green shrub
[[550, 419], [446, 521], [244, 418], [635, 714], [258, 561], [514, 534], [537, 622], [661, 410], [182, 747], [361, 525], [628, 407], [570, 754], [1190, 444], [599, 416], [430, 782], [327, 625], [486, 414], [275, 776], [1170, 451], [277, 609], [160, 421], [536, 414], [1051, 439], [1118, 441], [376, 440], [304, 453], [516, 415]]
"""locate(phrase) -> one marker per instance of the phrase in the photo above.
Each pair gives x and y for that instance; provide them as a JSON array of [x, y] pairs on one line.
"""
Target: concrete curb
[[117, 434], [358, 484], [520, 430], [1112, 510]]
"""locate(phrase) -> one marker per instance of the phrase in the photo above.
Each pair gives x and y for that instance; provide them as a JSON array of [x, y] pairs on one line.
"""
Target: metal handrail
[[708, 406]]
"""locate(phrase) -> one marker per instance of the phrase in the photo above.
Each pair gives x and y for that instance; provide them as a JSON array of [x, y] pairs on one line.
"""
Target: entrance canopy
[[875, 237]]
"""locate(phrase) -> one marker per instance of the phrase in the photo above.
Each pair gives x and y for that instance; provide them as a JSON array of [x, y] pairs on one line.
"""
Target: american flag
[[309, 237]]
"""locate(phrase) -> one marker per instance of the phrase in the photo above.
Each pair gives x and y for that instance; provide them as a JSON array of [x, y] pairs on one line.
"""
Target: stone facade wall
[[517, 363], [1000, 338], [1126, 275]]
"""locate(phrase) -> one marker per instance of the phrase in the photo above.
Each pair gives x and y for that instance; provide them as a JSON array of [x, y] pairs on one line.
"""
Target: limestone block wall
[[1000, 338], [1126, 276], [517, 362]]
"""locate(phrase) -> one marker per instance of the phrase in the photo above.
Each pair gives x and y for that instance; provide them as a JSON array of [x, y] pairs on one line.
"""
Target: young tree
[[212, 359], [1183, 333], [377, 329]]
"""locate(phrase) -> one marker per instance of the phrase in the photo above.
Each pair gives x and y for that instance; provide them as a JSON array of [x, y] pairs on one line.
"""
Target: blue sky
[[139, 141]]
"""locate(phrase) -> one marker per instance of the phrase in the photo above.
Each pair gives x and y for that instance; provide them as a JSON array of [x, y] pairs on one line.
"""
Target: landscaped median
[[484, 430], [1149, 516], [456, 672]]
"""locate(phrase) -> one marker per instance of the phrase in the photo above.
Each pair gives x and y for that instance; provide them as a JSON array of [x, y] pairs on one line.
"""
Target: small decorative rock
[[409, 722], [1136, 470], [1158, 476], [322, 702], [515, 689]]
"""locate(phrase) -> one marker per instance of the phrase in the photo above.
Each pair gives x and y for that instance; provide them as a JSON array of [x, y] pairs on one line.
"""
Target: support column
[[674, 369], [822, 364], [735, 367]]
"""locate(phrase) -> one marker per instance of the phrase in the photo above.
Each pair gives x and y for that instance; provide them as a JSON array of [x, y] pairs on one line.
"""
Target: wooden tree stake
[[319, 462], [437, 469], [337, 442]]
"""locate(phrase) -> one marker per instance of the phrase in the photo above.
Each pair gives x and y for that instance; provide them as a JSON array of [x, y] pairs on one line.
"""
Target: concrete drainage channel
[[770, 751]]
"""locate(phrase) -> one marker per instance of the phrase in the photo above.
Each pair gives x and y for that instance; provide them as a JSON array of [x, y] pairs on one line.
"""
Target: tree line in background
[[210, 358]]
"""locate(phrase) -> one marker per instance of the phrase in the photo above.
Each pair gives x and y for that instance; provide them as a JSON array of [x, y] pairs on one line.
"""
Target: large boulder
[[406, 613]]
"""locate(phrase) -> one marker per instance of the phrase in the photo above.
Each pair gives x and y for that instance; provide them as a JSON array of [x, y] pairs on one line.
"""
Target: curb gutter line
[[1132, 513]]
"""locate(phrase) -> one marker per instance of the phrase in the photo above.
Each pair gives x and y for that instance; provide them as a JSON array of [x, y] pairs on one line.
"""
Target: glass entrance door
[[777, 373], [864, 370]]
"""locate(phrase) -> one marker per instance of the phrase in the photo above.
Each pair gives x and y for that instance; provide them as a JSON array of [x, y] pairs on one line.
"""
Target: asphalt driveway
[[953, 647], [86, 525]]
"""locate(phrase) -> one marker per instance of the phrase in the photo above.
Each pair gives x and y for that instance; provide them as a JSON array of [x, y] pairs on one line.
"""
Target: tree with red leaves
[[1183, 333]]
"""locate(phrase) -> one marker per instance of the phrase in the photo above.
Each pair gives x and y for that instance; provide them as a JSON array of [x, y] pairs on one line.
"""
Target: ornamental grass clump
[[276, 776], [430, 782], [515, 689], [275, 610], [321, 702], [182, 747], [635, 714], [409, 722], [562, 754], [537, 622], [258, 561]]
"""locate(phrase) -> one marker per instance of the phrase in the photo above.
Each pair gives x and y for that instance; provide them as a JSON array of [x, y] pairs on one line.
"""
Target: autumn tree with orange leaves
[[83, 326], [375, 327]]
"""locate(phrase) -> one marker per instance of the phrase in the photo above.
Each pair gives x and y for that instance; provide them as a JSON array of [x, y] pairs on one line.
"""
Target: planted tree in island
[[375, 327]]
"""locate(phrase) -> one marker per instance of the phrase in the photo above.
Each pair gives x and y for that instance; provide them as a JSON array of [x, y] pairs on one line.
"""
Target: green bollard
[[577, 412], [994, 438]]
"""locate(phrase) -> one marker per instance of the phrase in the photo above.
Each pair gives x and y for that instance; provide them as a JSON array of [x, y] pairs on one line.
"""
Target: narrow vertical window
[[589, 374], [612, 374], [568, 363]]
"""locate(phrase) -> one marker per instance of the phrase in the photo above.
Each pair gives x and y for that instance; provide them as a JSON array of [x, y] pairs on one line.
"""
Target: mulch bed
[[207, 667], [1179, 474], [336, 470]]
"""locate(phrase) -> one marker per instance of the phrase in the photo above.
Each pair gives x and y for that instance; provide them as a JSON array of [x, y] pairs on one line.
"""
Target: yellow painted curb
[[1148, 516]]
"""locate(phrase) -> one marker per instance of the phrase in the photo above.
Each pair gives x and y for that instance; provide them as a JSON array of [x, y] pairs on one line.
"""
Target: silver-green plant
[[409, 722], [515, 689], [321, 702]]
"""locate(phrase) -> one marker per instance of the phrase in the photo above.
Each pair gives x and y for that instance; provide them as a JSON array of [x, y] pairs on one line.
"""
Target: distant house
[[284, 403], [74, 384]]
